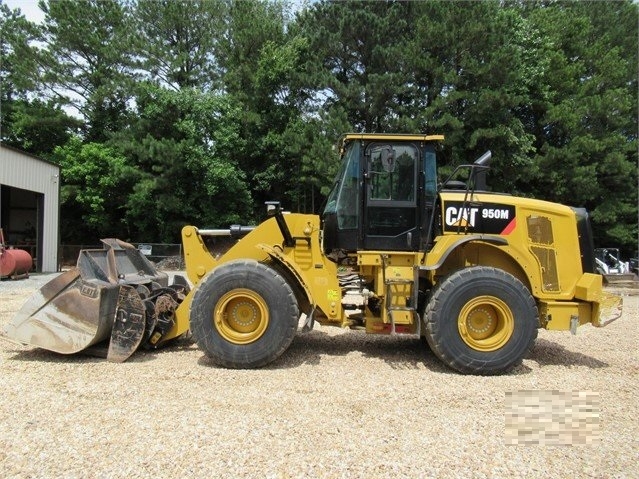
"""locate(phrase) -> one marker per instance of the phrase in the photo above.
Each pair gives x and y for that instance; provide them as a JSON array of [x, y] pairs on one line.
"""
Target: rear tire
[[481, 320], [244, 315]]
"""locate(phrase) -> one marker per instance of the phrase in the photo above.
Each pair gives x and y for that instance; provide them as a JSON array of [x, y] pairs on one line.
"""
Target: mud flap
[[128, 325]]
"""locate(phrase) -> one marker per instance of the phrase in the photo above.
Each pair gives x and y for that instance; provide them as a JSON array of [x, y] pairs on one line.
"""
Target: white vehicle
[[609, 265]]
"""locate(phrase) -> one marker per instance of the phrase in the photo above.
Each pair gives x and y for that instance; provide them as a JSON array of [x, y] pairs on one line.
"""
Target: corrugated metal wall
[[20, 170]]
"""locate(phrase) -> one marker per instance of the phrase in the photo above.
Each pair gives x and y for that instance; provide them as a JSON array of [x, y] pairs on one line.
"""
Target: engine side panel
[[541, 236]]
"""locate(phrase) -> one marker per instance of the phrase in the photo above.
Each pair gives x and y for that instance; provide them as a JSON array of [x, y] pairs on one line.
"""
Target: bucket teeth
[[128, 325]]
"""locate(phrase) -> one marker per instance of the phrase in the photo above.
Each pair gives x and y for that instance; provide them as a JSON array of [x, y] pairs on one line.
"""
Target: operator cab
[[384, 194]]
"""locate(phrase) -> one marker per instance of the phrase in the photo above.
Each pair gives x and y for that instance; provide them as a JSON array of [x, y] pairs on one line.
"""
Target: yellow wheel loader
[[396, 251]]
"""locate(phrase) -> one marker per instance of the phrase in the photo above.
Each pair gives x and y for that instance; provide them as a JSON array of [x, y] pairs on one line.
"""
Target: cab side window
[[392, 173]]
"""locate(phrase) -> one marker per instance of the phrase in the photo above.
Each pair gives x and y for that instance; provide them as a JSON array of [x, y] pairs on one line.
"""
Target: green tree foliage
[[180, 143], [312, 140], [37, 127], [177, 42], [549, 87], [348, 77], [26, 122], [359, 62], [212, 107], [474, 65], [259, 61], [94, 178], [586, 125], [457, 68], [87, 60], [17, 62]]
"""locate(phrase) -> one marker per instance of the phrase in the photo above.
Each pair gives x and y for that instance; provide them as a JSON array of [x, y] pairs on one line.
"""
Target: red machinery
[[14, 263]]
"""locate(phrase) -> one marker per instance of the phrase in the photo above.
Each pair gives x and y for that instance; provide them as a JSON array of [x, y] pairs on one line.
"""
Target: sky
[[29, 9]]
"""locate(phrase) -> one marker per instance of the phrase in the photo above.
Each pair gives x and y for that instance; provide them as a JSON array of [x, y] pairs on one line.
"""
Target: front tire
[[481, 320], [244, 315]]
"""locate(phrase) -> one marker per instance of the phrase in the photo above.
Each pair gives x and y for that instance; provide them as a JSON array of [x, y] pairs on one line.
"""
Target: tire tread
[[437, 341], [199, 314]]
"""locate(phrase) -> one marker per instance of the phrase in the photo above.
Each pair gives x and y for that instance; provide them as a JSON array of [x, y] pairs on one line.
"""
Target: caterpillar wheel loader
[[396, 251]]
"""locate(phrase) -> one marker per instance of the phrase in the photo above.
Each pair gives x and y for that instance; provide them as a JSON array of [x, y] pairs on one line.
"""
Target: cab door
[[391, 218]]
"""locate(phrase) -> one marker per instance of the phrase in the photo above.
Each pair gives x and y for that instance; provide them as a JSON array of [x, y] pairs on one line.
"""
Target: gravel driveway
[[338, 404]]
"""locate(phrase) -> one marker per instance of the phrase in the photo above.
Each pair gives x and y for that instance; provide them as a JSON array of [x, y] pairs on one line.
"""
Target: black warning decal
[[492, 218]]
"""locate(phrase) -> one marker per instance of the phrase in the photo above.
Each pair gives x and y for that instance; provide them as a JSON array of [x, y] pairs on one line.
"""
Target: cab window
[[392, 173], [344, 199]]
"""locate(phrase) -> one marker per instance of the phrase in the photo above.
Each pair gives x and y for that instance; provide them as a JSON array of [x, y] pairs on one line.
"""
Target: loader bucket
[[110, 295]]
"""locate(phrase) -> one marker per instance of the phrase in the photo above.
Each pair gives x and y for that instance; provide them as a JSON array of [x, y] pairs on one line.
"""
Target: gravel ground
[[338, 404]]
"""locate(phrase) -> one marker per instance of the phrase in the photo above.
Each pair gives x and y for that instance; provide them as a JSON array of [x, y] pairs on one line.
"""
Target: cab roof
[[390, 137]]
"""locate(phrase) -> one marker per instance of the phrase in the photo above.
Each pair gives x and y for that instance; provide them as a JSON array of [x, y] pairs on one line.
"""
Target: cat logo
[[461, 217], [490, 218]]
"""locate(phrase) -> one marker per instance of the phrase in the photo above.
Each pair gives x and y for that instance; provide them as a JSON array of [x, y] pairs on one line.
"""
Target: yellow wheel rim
[[486, 323], [241, 316]]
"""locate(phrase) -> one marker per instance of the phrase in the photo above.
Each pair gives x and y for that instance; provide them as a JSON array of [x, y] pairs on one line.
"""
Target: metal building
[[30, 205]]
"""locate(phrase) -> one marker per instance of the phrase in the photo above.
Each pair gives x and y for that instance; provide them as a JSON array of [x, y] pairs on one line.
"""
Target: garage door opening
[[21, 219]]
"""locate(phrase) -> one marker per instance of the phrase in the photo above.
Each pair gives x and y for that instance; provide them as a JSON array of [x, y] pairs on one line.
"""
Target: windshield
[[344, 199]]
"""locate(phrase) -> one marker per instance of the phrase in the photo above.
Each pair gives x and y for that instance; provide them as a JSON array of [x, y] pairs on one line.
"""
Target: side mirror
[[479, 169], [387, 156], [484, 160], [272, 208]]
